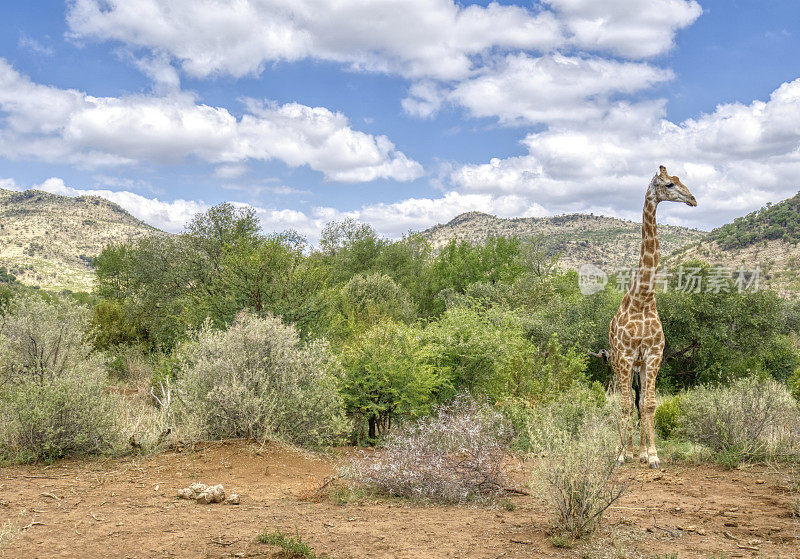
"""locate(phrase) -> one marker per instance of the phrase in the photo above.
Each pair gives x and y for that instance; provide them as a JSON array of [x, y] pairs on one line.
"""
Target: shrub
[[667, 416], [386, 375], [794, 384], [468, 347], [752, 419], [539, 374], [43, 339], [71, 415], [52, 396], [257, 380], [454, 455], [578, 443], [368, 298], [526, 417]]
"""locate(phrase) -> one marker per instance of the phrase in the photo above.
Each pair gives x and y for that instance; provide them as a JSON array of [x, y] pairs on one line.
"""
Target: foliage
[[468, 348], [291, 547], [454, 455], [778, 221], [794, 384], [114, 326], [66, 416], [667, 416], [461, 264], [718, 337], [540, 374], [578, 445], [387, 374], [566, 408], [257, 379], [42, 340], [487, 352], [6, 276], [751, 419], [366, 299], [52, 394], [220, 265]]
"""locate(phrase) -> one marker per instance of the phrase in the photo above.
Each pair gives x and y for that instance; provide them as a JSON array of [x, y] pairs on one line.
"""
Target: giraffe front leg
[[648, 409], [623, 371]]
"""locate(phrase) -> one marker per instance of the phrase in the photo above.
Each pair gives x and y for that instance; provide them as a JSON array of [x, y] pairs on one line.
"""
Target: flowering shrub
[[456, 454]]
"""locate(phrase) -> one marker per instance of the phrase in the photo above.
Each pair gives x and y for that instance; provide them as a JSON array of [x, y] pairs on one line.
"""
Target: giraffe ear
[[663, 170]]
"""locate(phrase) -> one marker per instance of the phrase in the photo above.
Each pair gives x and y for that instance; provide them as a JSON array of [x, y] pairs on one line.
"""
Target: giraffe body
[[635, 333]]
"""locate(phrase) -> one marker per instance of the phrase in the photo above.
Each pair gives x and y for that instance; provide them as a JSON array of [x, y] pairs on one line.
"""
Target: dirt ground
[[128, 509]]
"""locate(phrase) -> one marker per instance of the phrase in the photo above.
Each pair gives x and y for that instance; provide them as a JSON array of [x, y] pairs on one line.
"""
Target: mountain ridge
[[608, 242]]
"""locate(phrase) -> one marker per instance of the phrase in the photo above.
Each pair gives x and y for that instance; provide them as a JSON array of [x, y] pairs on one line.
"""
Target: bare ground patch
[[129, 508]]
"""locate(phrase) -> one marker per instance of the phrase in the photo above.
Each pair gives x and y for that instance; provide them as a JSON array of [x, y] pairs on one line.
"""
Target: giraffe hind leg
[[640, 405]]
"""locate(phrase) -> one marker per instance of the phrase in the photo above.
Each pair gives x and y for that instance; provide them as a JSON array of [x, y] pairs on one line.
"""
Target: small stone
[[702, 532], [232, 499], [204, 499], [760, 481]]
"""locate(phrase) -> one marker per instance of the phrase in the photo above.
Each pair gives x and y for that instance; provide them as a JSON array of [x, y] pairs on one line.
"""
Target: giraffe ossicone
[[635, 333]]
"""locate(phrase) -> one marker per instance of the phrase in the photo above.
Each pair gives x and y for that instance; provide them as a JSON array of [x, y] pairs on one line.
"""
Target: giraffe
[[635, 333]]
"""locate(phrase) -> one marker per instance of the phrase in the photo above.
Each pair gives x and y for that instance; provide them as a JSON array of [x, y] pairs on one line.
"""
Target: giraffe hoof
[[643, 458], [655, 464]]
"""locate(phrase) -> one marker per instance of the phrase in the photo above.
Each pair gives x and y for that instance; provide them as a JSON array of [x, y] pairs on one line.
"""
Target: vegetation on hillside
[[773, 221], [50, 240]]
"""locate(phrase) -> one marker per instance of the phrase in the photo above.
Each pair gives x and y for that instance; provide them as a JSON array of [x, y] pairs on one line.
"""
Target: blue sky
[[401, 113]]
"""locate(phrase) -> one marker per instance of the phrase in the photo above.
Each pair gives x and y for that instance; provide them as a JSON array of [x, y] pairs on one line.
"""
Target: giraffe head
[[670, 188]]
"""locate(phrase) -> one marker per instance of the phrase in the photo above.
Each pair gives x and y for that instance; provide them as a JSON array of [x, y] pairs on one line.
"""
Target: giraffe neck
[[644, 282]]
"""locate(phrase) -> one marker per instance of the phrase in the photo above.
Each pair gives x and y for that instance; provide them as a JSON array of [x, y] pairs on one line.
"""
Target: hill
[[49, 240], [767, 238], [606, 242]]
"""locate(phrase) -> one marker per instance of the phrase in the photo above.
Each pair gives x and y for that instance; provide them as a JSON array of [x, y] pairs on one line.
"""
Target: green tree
[[387, 374]]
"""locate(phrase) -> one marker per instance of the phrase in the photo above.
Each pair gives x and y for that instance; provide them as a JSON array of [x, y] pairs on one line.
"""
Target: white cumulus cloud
[[412, 37], [734, 159], [52, 124]]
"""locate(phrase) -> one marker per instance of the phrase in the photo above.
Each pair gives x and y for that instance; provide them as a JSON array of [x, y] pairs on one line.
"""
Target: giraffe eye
[[670, 184]]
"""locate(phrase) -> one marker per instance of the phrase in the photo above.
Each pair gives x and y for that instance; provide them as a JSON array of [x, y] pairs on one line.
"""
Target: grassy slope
[[767, 238], [44, 236], [604, 241]]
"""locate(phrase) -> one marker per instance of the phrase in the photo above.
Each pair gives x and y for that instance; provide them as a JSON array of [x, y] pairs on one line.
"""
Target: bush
[[71, 415], [752, 419], [386, 375], [794, 385], [454, 455], [526, 417], [368, 298], [578, 442], [52, 397], [667, 416], [257, 380], [43, 340]]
